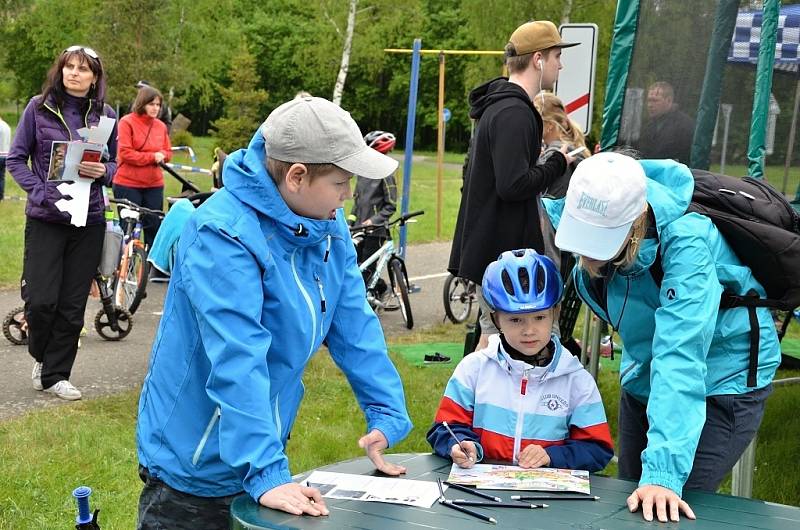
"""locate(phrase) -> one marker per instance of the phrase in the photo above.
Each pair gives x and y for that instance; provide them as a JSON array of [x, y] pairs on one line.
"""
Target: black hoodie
[[499, 201]]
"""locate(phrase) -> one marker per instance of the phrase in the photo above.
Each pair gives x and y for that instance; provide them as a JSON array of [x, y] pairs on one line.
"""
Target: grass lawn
[[423, 197], [45, 454]]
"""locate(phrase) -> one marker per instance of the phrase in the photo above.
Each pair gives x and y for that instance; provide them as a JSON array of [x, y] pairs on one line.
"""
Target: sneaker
[[436, 358], [64, 390], [36, 376]]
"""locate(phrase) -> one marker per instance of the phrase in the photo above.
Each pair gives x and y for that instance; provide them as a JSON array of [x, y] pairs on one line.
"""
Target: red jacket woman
[[143, 143]]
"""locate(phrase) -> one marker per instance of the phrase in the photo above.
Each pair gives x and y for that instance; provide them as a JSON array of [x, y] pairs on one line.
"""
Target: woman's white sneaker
[[36, 376], [64, 390]]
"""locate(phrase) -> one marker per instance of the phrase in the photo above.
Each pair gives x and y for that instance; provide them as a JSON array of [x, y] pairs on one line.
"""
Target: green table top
[[714, 512]]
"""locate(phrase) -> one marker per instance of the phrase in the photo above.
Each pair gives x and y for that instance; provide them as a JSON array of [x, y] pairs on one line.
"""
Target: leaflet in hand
[[375, 489], [498, 477], [65, 157]]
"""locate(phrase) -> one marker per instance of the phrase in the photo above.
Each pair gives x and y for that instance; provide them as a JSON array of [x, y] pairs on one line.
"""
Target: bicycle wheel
[[113, 332], [132, 279], [15, 328], [458, 295], [400, 286]]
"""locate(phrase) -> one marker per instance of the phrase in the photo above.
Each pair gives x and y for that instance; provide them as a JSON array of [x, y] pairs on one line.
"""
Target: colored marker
[[575, 497], [467, 511], [462, 502], [474, 492]]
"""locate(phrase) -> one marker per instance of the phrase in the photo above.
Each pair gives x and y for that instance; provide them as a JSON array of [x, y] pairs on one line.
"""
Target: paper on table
[[497, 477], [375, 489]]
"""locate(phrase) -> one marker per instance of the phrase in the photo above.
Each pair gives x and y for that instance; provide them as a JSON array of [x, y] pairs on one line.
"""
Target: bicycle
[[112, 322], [130, 280], [120, 294], [386, 258], [458, 295], [15, 328]]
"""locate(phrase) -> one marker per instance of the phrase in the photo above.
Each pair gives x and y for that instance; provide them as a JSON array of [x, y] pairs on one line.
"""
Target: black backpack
[[762, 229]]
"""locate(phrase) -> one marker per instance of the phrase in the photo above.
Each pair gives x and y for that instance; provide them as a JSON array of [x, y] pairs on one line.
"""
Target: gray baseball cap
[[315, 131]]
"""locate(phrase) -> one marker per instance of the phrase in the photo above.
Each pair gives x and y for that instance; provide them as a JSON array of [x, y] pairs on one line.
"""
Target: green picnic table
[[714, 512]]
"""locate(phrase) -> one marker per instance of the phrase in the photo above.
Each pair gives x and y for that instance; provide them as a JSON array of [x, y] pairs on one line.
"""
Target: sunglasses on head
[[88, 51]]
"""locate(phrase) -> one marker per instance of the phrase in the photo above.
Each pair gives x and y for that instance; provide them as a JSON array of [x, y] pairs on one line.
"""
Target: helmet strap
[[542, 358]]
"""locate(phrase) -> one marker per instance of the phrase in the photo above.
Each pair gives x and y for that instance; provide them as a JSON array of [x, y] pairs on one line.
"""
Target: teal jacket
[[255, 290], [678, 347]]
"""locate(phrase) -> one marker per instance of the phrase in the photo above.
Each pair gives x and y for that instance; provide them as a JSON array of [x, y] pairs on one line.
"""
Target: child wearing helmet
[[374, 202], [524, 399]]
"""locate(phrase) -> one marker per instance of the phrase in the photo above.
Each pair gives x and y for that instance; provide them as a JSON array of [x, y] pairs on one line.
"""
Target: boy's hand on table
[[534, 456], [464, 459], [295, 499], [667, 503], [374, 443]]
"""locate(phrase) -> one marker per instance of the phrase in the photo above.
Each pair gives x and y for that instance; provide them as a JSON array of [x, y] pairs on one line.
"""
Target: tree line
[[227, 63]]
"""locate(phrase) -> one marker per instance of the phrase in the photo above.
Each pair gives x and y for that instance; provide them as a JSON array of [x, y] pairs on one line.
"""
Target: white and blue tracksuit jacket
[[678, 346], [504, 405], [255, 289]]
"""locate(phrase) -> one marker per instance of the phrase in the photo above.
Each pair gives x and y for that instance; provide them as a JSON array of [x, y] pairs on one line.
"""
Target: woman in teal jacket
[[686, 412]]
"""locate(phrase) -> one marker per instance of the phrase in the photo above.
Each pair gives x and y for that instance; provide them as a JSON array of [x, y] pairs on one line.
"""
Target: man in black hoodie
[[499, 201]]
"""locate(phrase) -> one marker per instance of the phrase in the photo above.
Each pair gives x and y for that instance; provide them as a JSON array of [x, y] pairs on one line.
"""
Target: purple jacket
[[37, 130]]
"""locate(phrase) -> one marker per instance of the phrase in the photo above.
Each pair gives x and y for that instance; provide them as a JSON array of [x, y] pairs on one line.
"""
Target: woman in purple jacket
[[60, 259]]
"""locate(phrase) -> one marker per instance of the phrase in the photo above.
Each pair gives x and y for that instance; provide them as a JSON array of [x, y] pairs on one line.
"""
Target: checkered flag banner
[[747, 36]]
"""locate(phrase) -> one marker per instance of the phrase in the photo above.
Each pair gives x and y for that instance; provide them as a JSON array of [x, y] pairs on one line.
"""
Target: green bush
[[182, 138]]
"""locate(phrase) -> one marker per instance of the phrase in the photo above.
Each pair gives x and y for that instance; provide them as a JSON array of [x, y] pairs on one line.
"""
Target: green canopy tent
[[688, 44]]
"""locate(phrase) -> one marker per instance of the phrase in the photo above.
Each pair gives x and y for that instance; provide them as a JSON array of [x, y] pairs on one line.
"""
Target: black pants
[[152, 198], [59, 264], [162, 508], [2, 177], [732, 420]]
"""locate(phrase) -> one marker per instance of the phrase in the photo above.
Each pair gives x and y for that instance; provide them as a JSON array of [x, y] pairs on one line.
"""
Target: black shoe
[[381, 288], [437, 358]]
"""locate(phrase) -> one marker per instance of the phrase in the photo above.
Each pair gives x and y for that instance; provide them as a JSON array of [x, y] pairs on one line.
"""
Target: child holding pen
[[524, 399]]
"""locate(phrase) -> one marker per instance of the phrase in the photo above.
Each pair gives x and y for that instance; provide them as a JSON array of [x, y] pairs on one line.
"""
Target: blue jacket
[[255, 289], [678, 346]]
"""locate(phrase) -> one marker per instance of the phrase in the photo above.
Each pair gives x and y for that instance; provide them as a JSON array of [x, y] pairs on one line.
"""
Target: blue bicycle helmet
[[522, 281]]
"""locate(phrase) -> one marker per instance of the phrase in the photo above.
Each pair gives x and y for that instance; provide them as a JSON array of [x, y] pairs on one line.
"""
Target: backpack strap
[[729, 300]]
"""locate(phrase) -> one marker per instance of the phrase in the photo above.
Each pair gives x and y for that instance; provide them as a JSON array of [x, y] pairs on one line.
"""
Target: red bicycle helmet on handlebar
[[381, 141]]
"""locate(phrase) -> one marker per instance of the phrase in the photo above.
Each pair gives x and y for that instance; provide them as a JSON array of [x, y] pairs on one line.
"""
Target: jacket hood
[[670, 186], [496, 89], [246, 177], [563, 361]]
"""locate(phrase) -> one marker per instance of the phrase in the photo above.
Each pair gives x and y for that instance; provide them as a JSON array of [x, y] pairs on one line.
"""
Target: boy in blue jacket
[[264, 272]]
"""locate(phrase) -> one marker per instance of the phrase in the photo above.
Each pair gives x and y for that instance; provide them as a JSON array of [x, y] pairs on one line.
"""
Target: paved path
[[104, 367]]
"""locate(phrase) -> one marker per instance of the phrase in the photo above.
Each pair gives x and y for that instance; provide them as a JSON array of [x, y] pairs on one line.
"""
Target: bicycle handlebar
[[403, 219], [136, 207], [188, 184]]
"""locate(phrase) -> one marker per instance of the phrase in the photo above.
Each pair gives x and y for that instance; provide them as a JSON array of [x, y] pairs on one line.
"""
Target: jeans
[[732, 420], [2, 177], [164, 508], [151, 198]]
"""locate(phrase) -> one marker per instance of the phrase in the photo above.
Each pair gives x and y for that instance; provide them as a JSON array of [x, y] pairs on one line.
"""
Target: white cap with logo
[[606, 193], [315, 131]]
